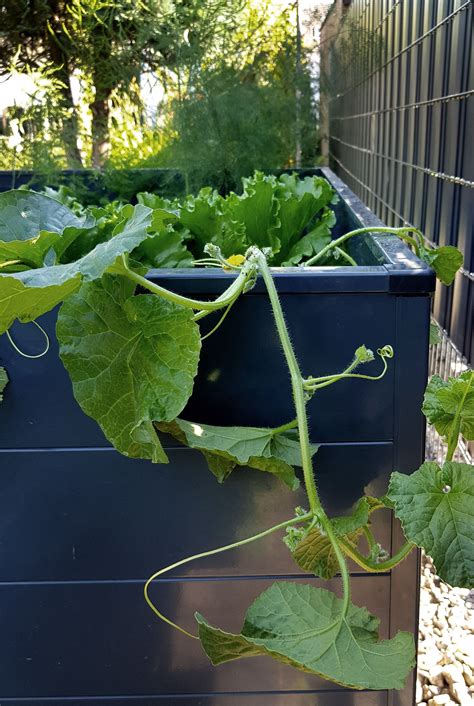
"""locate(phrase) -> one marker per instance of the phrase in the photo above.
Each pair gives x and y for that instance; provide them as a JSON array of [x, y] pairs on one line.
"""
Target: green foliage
[[314, 552], [227, 447], [449, 405], [133, 357], [3, 381], [435, 336], [126, 372], [288, 215], [27, 294], [436, 508], [302, 626], [445, 261]]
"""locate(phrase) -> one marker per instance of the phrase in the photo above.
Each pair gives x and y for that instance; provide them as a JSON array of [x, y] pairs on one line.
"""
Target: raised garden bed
[[83, 526]]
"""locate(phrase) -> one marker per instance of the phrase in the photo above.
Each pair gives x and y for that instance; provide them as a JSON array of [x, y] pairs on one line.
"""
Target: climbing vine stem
[[300, 406], [235, 545], [402, 233]]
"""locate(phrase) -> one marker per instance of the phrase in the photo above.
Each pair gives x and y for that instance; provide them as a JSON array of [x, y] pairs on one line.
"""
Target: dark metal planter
[[82, 527]]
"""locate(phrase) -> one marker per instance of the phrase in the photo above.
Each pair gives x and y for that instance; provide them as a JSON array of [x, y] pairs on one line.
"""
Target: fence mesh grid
[[397, 92]]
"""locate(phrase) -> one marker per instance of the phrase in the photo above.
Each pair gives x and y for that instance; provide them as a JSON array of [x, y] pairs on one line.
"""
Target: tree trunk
[[69, 121], [70, 125], [100, 110]]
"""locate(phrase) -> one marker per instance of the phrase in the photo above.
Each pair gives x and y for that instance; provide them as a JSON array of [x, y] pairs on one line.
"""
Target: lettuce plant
[[132, 347]]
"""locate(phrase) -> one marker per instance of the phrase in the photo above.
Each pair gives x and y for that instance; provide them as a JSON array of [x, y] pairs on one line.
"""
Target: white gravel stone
[[445, 643]]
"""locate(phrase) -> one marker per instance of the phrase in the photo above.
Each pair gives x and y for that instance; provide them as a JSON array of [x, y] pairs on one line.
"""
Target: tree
[[236, 109], [109, 42]]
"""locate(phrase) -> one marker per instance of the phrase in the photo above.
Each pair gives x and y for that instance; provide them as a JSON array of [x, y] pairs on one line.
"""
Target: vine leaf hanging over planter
[[436, 508], [227, 447], [26, 295], [132, 360], [314, 552], [443, 399], [445, 261], [304, 627]]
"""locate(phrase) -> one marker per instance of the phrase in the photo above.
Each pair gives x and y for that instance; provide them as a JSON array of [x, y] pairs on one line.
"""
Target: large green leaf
[[132, 361], [314, 552], [313, 242], [436, 508], [300, 200], [449, 405], [227, 447], [24, 214], [301, 626], [3, 381], [31, 225], [257, 210], [445, 261], [244, 442], [209, 219], [27, 295]]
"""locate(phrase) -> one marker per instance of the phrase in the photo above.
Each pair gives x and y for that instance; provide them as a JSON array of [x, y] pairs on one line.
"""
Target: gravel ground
[[446, 643]]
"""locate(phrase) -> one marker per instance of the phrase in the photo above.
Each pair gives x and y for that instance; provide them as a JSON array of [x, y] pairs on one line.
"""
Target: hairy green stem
[[230, 294], [345, 256], [300, 406], [372, 566], [285, 427], [401, 232], [202, 555], [312, 385], [369, 537], [297, 387]]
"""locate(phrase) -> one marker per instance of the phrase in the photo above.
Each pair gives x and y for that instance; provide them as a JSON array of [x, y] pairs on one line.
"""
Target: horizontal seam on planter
[[79, 449], [191, 695], [185, 579]]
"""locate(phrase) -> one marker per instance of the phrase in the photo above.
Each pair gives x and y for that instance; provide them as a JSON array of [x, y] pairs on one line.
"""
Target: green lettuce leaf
[[208, 219], [436, 508], [3, 382], [256, 209], [300, 200], [314, 552], [301, 626], [227, 447], [449, 405], [26, 295], [132, 361], [311, 243]]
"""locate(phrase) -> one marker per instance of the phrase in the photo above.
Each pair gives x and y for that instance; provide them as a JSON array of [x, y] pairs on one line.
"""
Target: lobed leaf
[[132, 361], [436, 508], [445, 261], [314, 553], [227, 447], [24, 214], [302, 626], [449, 405], [26, 295], [300, 200]]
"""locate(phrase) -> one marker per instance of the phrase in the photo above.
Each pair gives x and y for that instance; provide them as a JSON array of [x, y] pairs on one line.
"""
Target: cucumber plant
[[132, 347]]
